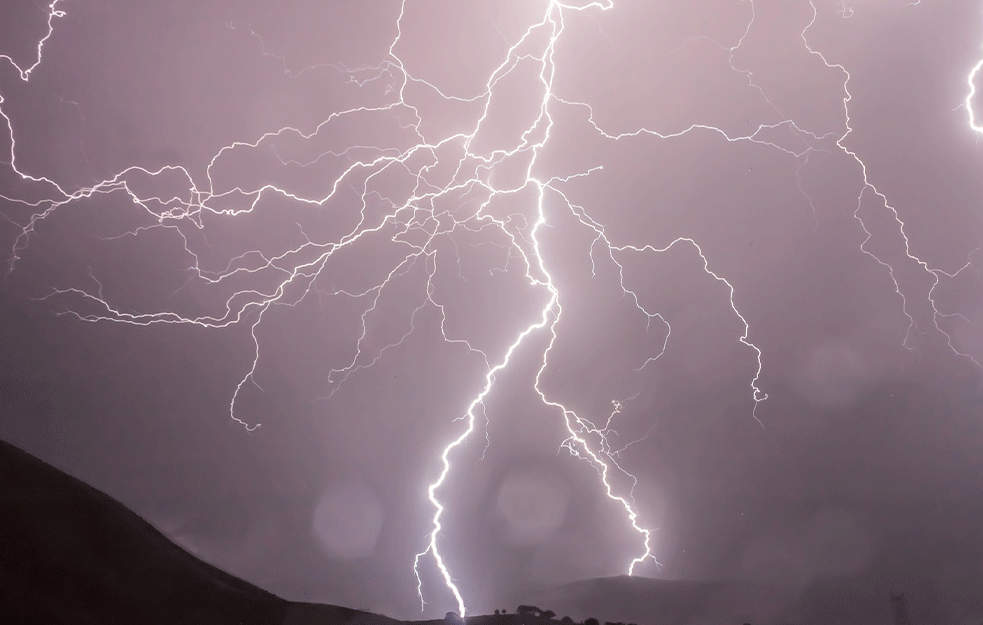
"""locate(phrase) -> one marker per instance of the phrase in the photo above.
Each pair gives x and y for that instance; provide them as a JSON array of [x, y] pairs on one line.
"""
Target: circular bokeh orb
[[347, 521], [533, 503]]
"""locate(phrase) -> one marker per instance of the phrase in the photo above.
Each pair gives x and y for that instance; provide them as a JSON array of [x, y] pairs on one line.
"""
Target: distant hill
[[859, 600], [660, 602], [70, 554]]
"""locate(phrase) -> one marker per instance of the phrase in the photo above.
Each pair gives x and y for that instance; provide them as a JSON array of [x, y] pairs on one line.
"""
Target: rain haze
[[689, 290]]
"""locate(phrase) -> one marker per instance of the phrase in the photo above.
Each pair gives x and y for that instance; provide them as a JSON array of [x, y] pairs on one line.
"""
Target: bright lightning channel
[[418, 218], [971, 95]]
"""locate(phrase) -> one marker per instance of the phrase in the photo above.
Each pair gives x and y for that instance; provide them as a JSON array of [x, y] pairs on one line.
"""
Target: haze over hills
[[864, 599], [688, 602], [71, 554]]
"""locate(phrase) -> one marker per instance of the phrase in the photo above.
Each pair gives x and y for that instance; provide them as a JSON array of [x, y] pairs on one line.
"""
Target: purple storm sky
[[373, 227]]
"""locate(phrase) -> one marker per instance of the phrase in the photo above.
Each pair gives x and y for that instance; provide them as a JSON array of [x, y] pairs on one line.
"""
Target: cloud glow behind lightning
[[418, 225]]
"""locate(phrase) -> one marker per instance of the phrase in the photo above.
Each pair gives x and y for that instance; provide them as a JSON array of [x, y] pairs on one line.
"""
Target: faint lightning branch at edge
[[867, 184]]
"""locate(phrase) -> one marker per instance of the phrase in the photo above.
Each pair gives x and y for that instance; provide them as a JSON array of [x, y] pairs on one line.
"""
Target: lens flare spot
[[533, 505], [347, 521]]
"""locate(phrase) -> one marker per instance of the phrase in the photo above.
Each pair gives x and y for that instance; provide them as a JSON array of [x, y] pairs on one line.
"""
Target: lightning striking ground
[[419, 223]]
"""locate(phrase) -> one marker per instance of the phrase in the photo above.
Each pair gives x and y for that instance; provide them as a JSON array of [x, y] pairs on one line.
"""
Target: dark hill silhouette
[[71, 554]]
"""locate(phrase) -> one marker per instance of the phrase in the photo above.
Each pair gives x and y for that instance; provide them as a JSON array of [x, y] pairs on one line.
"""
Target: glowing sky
[[604, 284]]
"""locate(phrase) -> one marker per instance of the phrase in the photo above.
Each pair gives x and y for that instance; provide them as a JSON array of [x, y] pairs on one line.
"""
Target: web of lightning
[[418, 225]]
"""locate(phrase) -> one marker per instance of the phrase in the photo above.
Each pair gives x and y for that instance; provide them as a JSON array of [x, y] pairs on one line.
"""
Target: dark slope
[[71, 554]]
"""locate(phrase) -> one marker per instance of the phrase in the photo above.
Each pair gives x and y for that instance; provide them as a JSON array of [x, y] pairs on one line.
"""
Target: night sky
[[265, 261]]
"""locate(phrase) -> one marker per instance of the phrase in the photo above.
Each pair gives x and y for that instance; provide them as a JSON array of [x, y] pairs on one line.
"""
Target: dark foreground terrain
[[70, 554]]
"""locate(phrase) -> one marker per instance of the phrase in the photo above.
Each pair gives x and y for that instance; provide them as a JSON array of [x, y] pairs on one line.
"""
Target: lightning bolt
[[444, 170], [970, 95]]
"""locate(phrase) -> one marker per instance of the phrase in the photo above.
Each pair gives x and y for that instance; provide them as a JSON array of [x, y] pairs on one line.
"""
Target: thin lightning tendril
[[418, 224], [869, 186]]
